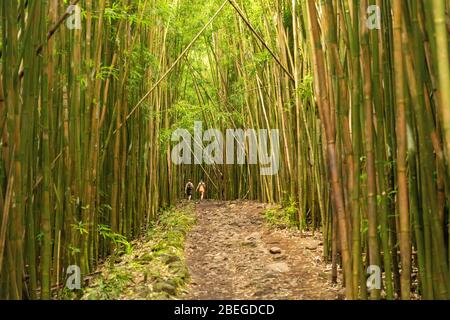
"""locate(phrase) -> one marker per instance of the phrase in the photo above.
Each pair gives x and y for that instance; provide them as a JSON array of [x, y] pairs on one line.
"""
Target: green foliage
[[154, 270], [261, 58], [108, 72], [185, 114], [116, 12], [120, 241], [142, 61], [74, 250], [111, 287], [282, 217], [80, 228], [306, 87]]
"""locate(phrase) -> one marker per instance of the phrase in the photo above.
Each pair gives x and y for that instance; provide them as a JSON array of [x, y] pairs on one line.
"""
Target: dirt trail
[[228, 255]]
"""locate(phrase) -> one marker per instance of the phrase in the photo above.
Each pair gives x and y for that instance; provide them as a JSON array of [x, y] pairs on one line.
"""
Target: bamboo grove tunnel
[[357, 90]]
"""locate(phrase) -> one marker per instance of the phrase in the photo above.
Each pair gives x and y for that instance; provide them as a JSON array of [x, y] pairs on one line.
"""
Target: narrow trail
[[229, 256]]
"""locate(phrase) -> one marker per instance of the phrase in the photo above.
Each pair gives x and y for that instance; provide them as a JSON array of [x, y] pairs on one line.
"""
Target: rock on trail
[[233, 254]]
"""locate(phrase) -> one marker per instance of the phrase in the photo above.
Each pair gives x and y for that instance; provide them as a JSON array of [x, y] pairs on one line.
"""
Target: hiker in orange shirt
[[202, 189]]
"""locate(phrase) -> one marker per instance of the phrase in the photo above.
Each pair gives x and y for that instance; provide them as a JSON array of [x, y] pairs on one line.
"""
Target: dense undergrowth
[[283, 216], [153, 269]]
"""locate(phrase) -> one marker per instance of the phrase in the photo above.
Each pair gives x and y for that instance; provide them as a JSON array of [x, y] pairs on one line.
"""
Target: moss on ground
[[154, 269]]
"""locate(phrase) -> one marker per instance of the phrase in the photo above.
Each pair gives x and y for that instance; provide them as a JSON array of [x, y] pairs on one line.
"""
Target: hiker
[[188, 189], [202, 189]]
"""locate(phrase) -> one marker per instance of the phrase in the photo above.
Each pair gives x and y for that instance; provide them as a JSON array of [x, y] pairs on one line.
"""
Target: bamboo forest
[[237, 149]]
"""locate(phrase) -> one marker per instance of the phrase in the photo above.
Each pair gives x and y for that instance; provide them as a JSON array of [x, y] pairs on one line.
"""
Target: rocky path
[[229, 257]]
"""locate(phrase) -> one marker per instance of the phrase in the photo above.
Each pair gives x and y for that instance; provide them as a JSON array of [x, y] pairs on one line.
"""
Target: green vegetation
[[153, 269], [282, 217]]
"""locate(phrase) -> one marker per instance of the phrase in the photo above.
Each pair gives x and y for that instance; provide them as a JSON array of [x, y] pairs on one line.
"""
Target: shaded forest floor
[[229, 256], [217, 250]]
